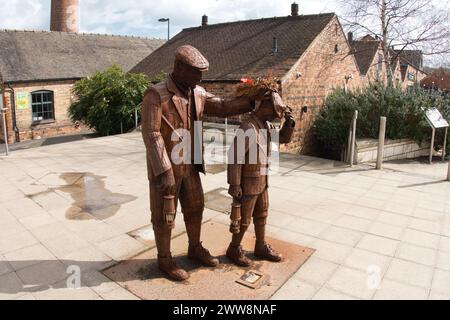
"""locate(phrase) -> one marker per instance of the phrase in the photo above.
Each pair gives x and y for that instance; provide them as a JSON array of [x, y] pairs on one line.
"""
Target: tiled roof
[[43, 55], [243, 48], [411, 57], [365, 51]]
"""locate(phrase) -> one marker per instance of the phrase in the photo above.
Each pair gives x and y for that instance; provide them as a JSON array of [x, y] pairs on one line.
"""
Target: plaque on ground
[[141, 276]]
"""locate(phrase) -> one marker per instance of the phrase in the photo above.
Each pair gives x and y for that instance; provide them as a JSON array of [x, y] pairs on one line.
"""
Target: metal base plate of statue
[[140, 275]]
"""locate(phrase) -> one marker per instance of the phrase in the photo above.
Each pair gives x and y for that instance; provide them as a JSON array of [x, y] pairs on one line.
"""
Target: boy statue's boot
[[235, 251], [196, 250], [165, 261], [264, 250], [237, 255]]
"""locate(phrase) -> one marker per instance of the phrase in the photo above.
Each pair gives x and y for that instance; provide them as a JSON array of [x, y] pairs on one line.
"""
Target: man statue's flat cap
[[192, 57]]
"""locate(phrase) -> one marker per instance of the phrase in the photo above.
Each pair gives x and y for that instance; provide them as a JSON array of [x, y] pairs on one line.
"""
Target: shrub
[[403, 110], [107, 100]]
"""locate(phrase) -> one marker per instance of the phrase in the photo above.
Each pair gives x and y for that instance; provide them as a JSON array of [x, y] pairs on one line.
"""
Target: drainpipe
[[13, 112]]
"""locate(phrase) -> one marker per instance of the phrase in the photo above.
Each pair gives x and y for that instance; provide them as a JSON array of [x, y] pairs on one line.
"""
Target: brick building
[[411, 67], [369, 55], [38, 70], [437, 80], [310, 55]]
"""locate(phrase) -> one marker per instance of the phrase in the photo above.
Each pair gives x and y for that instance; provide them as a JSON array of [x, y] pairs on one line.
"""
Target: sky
[[140, 17]]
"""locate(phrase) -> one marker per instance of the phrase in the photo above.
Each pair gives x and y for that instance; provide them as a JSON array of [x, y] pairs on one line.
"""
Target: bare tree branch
[[408, 24]]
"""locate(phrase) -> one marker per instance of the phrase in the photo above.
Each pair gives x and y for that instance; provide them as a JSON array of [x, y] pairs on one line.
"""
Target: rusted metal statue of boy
[[248, 177], [168, 107]]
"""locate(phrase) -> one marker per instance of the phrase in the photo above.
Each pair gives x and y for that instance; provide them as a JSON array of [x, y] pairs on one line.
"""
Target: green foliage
[[108, 100], [403, 110], [160, 77]]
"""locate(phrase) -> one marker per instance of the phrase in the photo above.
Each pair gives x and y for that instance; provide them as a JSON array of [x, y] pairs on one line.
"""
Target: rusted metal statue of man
[[248, 177], [167, 107]]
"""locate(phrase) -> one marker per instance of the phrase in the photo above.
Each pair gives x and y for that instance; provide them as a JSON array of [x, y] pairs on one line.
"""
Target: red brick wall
[[223, 90], [420, 75], [62, 93], [64, 15], [316, 75]]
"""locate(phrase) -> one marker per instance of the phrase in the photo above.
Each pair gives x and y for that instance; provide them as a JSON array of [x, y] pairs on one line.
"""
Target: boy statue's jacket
[[249, 167]]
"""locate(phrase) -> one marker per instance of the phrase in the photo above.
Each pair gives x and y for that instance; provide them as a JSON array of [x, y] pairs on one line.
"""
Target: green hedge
[[403, 109]]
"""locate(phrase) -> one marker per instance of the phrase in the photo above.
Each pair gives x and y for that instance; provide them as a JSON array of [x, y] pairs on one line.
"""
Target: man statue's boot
[[235, 251], [165, 261], [196, 250], [264, 250]]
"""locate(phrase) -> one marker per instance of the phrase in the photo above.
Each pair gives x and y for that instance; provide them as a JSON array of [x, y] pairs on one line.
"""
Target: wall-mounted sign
[[436, 119], [23, 101]]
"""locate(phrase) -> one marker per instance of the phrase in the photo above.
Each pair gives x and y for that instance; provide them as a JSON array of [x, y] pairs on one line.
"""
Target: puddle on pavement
[[218, 200], [91, 198]]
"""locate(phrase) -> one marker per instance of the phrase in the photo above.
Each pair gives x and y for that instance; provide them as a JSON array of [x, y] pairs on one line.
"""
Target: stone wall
[[367, 150]]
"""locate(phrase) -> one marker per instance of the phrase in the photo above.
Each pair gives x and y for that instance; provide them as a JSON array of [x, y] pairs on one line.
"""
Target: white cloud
[[24, 14], [141, 17]]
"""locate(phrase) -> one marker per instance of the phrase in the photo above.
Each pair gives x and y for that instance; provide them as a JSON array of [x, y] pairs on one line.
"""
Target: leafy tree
[[107, 100]]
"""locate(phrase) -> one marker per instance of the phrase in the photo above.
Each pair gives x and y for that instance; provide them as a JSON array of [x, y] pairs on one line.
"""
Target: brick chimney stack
[[205, 21], [350, 37], [65, 16], [294, 9]]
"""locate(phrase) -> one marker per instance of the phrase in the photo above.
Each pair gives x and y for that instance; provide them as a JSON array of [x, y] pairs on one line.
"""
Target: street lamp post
[[168, 26], [5, 131]]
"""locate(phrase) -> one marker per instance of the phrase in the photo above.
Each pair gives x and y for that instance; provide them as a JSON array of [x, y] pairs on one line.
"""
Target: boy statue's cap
[[276, 102], [192, 57]]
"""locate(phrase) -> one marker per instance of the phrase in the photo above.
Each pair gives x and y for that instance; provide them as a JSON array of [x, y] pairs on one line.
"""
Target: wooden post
[[381, 140], [136, 118], [349, 146], [352, 153], [432, 145], [448, 174], [444, 149]]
